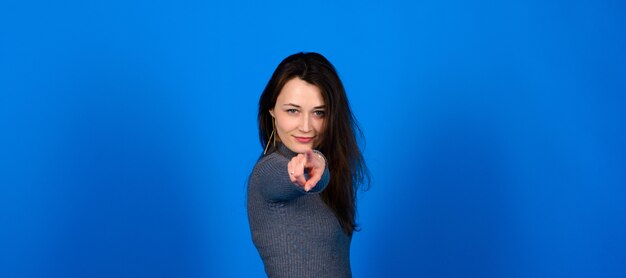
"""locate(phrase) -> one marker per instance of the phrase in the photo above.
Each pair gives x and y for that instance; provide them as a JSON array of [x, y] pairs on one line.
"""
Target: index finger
[[313, 157]]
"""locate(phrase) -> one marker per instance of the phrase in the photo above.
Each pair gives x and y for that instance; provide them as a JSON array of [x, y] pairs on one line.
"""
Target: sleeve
[[274, 181]]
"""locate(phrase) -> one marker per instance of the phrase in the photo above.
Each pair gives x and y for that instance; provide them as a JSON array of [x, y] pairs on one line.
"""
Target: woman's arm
[[281, 179]]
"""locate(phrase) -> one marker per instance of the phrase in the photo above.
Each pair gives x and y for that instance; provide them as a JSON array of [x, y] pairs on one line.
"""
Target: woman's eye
[[320, 113], [292, 111]]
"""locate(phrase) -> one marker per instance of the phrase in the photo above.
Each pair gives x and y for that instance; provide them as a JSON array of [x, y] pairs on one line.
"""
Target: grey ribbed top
[[295, 232]]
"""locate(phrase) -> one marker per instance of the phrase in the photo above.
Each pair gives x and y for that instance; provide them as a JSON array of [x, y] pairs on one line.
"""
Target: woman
[[301, 193]]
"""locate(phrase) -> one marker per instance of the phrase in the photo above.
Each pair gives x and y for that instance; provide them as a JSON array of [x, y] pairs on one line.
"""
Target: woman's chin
[[299, 147]]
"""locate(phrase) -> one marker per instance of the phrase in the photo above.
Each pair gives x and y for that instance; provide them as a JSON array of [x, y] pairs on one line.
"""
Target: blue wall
[[495, 134]]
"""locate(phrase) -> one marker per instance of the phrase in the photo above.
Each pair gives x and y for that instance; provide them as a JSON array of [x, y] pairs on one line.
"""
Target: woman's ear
[[272, 113]]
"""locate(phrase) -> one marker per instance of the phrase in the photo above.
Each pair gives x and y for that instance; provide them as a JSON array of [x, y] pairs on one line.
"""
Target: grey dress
[[295, 232]]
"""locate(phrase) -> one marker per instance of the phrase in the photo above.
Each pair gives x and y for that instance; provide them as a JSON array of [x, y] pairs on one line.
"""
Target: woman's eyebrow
[[298, 106], [291, 104]]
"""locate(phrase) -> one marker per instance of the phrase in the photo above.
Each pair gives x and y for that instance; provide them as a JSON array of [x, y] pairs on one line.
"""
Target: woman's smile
[[304, 140]]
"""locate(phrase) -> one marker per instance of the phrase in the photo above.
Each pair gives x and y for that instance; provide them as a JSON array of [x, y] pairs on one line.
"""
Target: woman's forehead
[[298, 92]]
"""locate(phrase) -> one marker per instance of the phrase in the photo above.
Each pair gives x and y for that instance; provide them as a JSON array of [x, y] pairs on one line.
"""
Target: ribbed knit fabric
[[295, 232]]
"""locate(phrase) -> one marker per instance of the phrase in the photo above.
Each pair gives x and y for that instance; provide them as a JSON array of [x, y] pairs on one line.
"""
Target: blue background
[[495, 134]]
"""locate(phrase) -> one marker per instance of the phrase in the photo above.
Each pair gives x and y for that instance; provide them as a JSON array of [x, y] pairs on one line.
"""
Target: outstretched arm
[[282, 179]]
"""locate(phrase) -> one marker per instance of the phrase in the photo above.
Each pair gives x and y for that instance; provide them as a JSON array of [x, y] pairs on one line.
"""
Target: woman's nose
[[305, 125]]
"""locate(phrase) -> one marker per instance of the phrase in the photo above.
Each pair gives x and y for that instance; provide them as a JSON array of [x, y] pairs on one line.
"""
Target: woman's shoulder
[[270, 159]]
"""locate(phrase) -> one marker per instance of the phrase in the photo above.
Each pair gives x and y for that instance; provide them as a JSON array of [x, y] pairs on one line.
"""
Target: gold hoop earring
[[268, 142], [270, 139]]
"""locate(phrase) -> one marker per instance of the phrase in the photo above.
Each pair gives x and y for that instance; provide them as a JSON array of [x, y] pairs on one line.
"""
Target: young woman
[[302, 191]]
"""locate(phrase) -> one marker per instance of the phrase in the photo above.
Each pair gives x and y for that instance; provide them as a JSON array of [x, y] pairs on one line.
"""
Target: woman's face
[[299, 114]]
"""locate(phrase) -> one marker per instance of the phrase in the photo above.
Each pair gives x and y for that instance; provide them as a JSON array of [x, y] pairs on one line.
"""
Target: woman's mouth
[[304, 140]]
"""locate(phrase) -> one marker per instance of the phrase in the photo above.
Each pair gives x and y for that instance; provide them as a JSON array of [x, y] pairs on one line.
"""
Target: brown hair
[[338, 140]]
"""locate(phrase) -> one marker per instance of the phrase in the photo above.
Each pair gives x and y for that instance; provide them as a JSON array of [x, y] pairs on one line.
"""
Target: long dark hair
[[338, 140]]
